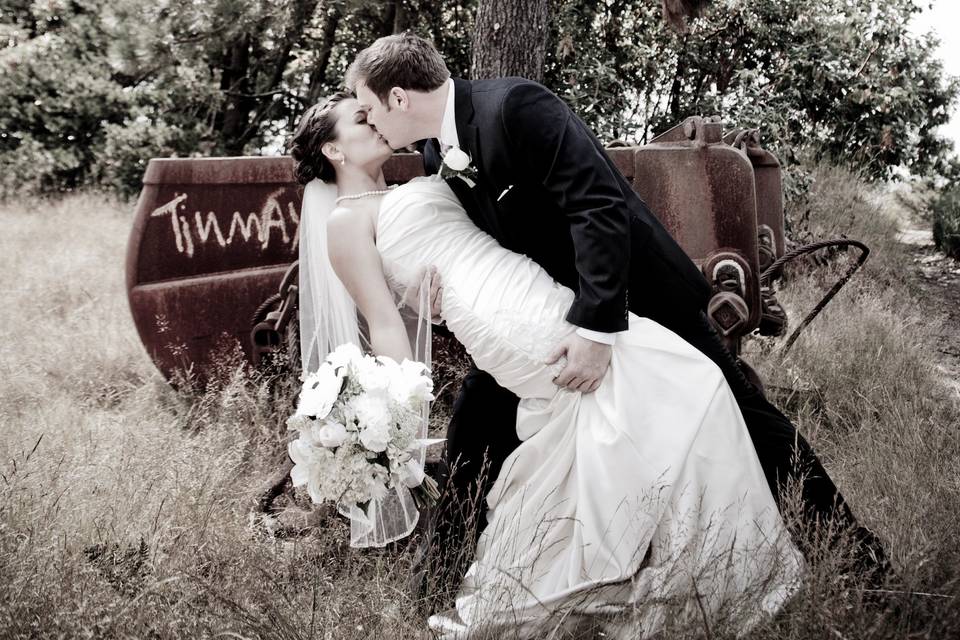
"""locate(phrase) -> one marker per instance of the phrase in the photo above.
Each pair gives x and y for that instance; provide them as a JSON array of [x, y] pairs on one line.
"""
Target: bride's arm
[[357, 263]]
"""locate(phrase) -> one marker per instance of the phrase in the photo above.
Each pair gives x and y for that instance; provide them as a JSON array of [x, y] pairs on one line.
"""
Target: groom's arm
[[557, 150]]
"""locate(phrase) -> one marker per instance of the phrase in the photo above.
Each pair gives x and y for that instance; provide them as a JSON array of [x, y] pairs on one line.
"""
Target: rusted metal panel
[[623, 158], [213, 237], [703, 191], [191, 324], [217, 223], [211, 240], [768, 177]]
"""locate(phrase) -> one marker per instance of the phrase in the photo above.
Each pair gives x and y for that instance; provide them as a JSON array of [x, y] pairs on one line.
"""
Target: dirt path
[[938, 279]]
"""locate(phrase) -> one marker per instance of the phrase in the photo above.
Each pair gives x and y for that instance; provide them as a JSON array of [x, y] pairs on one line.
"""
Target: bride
[[638, 504]]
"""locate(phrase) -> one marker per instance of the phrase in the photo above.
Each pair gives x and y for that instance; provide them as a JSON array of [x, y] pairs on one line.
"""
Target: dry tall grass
[[124, 505]]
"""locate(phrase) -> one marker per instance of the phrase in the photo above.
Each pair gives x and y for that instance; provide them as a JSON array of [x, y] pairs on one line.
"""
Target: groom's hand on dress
[[587, 363]]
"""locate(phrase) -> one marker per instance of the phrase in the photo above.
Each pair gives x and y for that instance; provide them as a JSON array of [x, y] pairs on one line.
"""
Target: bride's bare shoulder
[[353, 218]]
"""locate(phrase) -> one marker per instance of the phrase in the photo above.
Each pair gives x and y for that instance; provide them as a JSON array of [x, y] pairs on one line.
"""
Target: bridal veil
[[328, 318]]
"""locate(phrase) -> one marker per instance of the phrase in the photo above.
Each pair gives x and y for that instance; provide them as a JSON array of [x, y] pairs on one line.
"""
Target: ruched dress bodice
[[504, 307]]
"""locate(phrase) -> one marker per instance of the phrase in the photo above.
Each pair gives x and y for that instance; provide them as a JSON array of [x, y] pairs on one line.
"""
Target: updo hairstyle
[[315, 129]]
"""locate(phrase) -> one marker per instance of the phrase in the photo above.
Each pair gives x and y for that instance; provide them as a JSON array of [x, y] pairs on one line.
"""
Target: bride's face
[[359, 143]]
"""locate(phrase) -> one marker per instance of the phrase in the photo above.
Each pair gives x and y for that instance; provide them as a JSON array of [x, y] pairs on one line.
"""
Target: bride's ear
[[331, 153]]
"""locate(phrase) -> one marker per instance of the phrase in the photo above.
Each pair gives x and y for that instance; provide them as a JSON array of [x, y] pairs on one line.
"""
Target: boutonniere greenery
[[456, 164]]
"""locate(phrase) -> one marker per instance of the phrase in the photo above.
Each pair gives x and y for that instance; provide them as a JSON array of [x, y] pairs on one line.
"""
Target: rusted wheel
[[279, 350]]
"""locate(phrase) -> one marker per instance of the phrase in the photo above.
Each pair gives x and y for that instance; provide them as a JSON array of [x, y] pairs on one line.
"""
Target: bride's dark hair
[[315, 129]]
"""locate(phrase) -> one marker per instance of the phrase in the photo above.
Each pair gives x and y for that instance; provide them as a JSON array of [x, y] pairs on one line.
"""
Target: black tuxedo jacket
[[546, 188]]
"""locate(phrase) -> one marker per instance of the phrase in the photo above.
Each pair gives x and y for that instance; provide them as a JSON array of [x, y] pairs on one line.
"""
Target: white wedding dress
[[639, 503]]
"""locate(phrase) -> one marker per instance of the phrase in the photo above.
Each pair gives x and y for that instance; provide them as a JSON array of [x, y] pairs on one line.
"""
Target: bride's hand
[[412, 295], [436, 293], [587, 363]]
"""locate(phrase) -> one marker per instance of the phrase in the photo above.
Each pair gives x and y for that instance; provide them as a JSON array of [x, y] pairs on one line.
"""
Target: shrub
[[946, 222]]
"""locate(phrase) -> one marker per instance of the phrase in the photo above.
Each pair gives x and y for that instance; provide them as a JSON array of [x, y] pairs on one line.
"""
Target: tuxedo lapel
[[476, 200], [431, 156], [467, 138]]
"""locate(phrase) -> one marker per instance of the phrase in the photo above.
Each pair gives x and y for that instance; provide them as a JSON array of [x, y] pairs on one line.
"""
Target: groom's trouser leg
[[784, 453], [481, 434]]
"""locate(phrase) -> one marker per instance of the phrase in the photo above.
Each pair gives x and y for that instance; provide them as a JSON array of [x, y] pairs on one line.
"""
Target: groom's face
[[391, 119]]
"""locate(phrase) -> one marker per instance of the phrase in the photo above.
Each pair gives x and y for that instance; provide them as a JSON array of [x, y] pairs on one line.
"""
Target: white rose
[[372, 376], [372, 409], [390, 368], [374, 419], [456, 159], [421, 390], [413, 384], [332, 434], [375, 437]]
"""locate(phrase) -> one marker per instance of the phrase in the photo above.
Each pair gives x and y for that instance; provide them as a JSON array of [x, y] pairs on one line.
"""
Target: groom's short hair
[[402, 60]]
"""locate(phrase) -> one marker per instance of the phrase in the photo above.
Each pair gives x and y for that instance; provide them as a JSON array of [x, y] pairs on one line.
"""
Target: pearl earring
[[343, 161]]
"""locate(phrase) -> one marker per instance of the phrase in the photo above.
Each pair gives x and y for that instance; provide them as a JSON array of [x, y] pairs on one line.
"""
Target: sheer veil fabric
[[328, 318]]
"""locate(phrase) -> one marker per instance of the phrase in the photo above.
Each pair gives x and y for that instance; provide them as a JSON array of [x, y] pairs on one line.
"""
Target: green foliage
[[838, 79], [69, 82], [946, 221], [90, 89], [55, 93]]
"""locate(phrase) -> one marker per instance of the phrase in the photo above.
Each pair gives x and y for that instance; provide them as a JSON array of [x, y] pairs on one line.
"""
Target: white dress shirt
[[448, 126], [448, 138]]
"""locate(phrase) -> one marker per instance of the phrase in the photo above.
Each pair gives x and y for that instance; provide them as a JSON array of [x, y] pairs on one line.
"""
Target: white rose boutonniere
[[456, 164]]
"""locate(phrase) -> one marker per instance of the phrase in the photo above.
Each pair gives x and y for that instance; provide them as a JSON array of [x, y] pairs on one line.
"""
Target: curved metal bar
[[775, 269]]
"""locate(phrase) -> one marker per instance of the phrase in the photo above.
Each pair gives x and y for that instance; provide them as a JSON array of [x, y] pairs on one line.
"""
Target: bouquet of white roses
[[359, 419]]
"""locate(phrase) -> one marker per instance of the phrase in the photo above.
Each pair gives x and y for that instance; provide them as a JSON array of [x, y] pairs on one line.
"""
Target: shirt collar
[[448, 126]]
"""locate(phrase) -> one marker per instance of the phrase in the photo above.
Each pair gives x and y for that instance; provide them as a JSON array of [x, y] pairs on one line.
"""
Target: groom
[[541, 184]]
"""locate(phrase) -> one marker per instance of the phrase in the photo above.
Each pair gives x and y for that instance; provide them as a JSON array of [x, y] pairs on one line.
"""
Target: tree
[[90, 90], [840, 79], [510, 39]]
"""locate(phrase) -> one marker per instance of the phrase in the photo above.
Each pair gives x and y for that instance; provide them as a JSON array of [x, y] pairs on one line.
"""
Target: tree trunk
[[300, 16], [676, 88], [318, 74], [401, 17], [235, 83], [676, 13], [510, 39], [396, 19]]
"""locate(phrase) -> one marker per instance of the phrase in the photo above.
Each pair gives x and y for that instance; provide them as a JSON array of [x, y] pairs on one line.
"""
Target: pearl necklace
[[357, 196]]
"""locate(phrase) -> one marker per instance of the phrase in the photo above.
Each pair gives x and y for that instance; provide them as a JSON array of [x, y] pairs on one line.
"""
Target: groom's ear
[[398, 99]]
